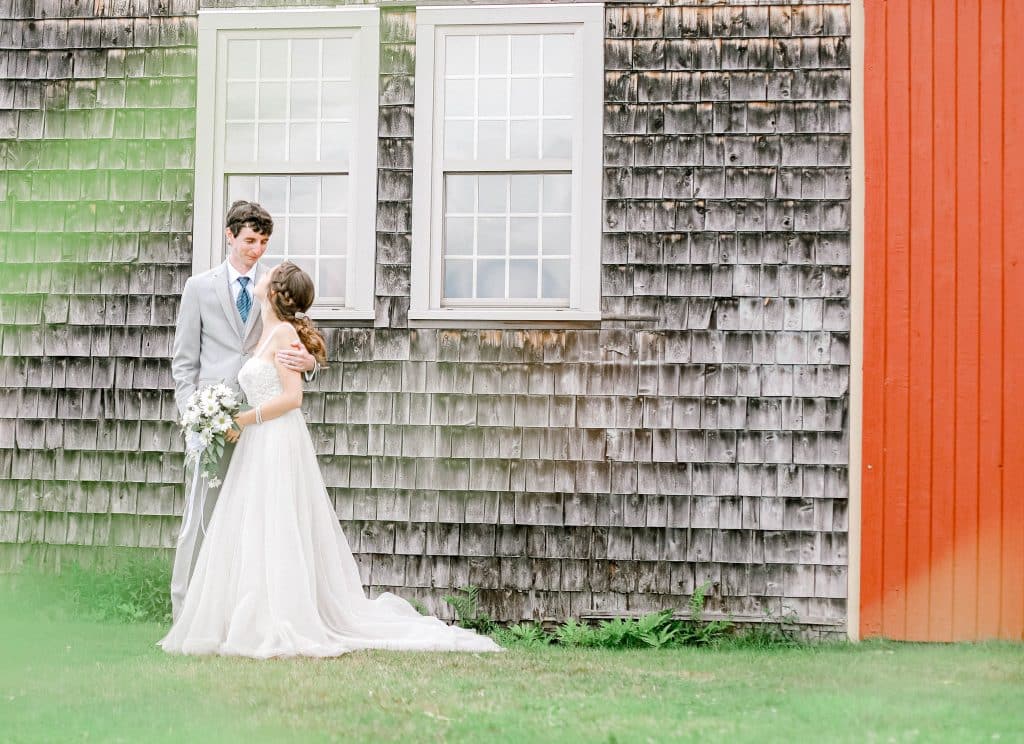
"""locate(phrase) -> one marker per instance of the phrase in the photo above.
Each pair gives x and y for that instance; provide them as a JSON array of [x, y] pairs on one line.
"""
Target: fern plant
[[523, 635], [466, 603]]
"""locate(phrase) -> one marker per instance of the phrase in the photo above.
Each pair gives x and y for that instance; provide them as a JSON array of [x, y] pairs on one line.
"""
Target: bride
[[275, 575]]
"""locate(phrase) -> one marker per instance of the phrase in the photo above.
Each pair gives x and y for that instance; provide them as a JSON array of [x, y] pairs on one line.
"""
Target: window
[[507, 164], [287, 116]]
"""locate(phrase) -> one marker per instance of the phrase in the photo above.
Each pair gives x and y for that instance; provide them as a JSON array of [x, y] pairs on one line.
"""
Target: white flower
[[210, 407], [214, 482], [221, 422], [205, 437], [190, 418], [193, 399]]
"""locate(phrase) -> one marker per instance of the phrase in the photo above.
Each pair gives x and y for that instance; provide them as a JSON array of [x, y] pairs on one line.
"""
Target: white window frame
[[587, 21], [215, 28]]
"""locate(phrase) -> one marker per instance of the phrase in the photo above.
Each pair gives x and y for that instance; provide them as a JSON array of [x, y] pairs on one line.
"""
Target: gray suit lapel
[[220, 281]]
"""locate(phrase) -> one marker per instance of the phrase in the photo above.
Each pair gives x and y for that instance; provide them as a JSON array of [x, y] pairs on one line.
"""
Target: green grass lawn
[[66, 679]]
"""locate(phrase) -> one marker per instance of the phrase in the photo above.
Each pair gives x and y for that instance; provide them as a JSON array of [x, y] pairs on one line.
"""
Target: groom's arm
[[185, 357], [295, 357]]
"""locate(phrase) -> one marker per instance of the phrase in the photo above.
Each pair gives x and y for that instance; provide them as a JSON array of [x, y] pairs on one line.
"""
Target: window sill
[[466, 317], [333, 313]]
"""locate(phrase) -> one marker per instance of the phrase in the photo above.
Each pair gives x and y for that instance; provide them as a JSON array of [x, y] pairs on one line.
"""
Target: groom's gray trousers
[[194, 522]]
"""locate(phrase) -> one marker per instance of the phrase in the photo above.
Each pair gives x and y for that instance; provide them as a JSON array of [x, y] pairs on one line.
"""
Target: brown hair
[[244, 214], [291, 291]]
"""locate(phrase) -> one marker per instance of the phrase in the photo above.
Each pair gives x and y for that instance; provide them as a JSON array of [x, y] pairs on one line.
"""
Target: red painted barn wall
[[943, 433]]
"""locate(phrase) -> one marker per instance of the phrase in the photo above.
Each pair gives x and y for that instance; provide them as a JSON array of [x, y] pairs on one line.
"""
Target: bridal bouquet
[[208, 417]]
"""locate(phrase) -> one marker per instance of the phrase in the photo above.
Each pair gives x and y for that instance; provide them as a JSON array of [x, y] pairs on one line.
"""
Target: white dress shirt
[[233, 275]]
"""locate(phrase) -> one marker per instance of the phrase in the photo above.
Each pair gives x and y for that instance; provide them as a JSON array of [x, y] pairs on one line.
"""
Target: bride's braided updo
[[291, 291]]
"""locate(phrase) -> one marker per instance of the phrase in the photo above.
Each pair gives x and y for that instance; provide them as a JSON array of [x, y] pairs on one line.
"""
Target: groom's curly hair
[[244, 214]]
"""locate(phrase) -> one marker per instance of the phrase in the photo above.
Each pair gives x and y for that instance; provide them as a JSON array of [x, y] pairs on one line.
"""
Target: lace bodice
[[259, 381]]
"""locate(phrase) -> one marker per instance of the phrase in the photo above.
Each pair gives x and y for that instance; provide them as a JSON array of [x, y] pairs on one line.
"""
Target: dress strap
[[263, 346]]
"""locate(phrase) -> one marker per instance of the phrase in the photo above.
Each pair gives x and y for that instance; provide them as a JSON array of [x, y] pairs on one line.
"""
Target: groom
[[218, 328]]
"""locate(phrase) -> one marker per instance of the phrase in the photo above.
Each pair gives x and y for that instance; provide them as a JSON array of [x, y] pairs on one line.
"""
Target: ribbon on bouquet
[[194, 492]]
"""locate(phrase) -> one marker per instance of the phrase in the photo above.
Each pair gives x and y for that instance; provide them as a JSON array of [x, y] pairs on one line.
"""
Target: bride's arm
[[287, 400]]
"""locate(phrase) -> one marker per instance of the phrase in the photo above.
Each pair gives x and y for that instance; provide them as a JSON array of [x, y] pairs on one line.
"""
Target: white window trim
[[208, 214], [585, 290]]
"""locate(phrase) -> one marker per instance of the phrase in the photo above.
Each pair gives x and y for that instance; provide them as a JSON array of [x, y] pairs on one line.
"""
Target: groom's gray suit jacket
[[210, 343]]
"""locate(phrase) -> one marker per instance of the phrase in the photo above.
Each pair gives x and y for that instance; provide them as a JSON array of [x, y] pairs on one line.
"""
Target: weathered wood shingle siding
[[698, 434]]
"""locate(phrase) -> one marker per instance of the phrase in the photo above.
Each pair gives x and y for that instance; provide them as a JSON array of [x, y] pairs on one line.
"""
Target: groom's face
[[247, 247]]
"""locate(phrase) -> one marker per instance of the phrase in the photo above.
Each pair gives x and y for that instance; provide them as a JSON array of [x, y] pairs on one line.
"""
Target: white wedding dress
[[275, 576]]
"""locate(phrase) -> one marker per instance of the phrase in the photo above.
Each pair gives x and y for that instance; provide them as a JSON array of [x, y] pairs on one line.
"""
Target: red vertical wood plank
[[919, 34], [1012, 590], [990, 367], [965, 570], [943, 465], [897, 317], [873, 468]]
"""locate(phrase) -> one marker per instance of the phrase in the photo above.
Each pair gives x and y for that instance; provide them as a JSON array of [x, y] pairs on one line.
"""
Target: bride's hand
[[233, 433]]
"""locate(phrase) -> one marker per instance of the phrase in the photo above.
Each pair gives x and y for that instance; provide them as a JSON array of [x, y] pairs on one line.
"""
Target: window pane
[[272, 100], [273, 59], [459, 98], [458, 139], [555, 280], [304, 191], [525, 54], [493, 194], [460, 55], [557, 53], [334, 142], [332, 278], [459, 195], [458, 279], [493, 55], [239, 142], [491, 143], [525, 97], [490, 236], [524, 236], [525, 193], [241, 101], [490, 278], [271, 142], [558, 193], [522, 279], [458, 236], [493, 97], [337, 58], [557, 141], [242, 57], [308, 265], [524, 139], [556, 239], [305, 58], [334, 195], [337, 101], [333, 236], [241, 187], [303, 101], [272, 194], [302, 142], [302, 235], [559, 94]]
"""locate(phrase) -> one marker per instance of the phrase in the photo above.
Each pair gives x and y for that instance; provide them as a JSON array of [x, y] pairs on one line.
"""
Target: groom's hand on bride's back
[[296, 357]]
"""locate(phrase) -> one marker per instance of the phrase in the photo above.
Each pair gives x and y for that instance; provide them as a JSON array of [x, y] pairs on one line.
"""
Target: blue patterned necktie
[[244, 301]]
